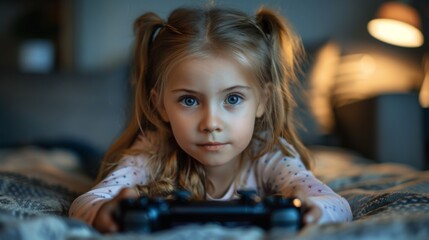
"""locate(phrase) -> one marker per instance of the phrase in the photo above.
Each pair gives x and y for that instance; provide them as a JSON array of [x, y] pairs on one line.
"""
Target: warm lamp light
[[398, 24], [424, 89]]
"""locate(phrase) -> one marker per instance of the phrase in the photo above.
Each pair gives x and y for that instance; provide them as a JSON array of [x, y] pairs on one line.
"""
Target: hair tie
[[171, 28], [156, 29], [164, 25]]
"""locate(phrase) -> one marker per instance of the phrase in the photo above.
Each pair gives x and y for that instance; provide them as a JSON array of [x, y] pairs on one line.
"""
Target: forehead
[[209, 72]]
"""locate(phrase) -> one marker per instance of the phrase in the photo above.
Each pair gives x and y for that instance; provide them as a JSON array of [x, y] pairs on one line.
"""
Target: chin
[[215, 162]]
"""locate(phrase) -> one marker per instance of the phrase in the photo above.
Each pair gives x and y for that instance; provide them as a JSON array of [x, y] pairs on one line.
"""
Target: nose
[[211, 120]]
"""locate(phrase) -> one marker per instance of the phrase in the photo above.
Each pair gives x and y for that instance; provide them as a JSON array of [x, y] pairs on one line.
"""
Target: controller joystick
[[247, 195], [182, 195]]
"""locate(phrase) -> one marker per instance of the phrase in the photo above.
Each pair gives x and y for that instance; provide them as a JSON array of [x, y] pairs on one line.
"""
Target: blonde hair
[[264, 43]]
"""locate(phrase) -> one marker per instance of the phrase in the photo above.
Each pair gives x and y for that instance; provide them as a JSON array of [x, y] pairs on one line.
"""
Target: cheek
[[242, 129], [181, 126]]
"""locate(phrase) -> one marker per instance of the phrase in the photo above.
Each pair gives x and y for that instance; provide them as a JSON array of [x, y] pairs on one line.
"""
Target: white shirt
[[272, 173]]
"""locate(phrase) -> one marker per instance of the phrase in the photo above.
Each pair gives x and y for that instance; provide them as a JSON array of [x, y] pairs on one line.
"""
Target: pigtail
[[286, 53], [285, 44], [145, 28]]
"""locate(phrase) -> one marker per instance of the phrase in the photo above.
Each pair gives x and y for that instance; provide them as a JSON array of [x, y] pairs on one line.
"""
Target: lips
[[212, 146]]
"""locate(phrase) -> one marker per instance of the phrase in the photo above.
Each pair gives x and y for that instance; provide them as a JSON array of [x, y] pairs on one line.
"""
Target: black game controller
[[146, 215]]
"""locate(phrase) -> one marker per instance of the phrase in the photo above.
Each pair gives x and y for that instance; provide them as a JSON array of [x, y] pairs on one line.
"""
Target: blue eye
[[233, 99], [188, 101]]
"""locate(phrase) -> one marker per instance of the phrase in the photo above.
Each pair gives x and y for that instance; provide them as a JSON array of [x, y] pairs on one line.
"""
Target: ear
[[261, 109], [262, 102], [154, 97]]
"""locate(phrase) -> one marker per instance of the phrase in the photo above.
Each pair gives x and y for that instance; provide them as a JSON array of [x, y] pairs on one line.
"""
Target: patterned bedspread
[[388, 202]]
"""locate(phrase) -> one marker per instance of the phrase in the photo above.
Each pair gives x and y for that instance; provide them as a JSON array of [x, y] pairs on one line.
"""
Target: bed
[[388, 200], [54, 129]]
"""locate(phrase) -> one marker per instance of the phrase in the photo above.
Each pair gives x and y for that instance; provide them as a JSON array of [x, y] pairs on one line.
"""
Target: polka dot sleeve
[[129, 172], [288, 175]]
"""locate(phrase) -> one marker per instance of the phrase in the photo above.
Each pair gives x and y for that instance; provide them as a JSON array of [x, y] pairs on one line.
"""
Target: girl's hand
[[312, 212], [105, 221]]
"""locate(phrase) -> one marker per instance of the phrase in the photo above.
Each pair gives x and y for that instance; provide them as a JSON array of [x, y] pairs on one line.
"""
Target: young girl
[[212, 115]]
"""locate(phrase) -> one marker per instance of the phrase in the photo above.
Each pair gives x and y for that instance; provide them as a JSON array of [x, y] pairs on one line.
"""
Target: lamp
[[397, 23], [424, 89]]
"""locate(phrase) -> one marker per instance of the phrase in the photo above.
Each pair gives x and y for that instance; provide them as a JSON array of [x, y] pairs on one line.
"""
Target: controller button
[[247, 195], [182, 195], [143, 201], [127, 203], [160, 203]]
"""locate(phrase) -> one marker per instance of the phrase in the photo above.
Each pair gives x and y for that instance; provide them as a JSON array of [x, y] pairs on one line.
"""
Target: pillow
[[60, 167]]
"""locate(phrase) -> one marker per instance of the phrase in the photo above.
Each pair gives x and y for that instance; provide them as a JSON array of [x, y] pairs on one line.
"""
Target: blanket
[[388, 201]]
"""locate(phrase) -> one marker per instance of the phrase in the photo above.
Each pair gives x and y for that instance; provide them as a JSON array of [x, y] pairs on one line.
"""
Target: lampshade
[[398, 24]]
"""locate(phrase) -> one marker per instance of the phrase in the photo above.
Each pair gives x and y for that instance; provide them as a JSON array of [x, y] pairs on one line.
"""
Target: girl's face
[[211, 105]]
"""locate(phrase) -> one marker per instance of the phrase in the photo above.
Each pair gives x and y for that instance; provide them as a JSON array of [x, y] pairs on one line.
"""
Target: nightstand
[[385, 128]]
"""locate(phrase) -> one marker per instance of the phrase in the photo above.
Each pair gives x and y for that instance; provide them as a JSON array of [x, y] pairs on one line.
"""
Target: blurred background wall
[[103, 28], [97, 34]]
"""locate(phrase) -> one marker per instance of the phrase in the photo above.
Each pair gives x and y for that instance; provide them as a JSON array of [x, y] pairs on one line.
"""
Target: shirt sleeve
[[287, 175], [129, 172]]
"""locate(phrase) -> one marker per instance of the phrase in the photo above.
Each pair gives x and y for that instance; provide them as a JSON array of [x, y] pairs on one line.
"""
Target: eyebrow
[[237, 87]]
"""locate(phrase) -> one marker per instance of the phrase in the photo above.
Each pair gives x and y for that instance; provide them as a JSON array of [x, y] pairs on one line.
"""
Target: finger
[[312, 215], [127, 193], [312, 212], [104, 220]]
